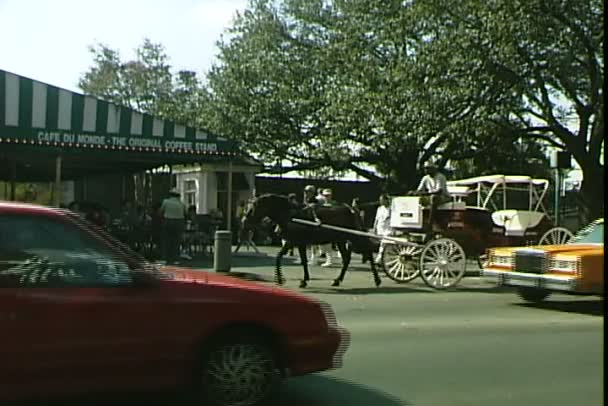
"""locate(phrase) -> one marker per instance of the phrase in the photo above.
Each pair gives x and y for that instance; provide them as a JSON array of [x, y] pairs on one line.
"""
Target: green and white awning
[[37, 114]]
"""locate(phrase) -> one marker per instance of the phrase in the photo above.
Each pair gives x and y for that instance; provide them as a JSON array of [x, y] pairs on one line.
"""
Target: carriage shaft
[[395, 240]]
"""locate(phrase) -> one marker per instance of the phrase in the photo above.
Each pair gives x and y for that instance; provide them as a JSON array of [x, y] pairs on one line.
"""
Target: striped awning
[[33, 113]]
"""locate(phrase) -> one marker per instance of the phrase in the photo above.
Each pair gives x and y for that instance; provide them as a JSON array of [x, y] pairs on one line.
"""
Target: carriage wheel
[[442, 263], [400, 262], [556, 236]]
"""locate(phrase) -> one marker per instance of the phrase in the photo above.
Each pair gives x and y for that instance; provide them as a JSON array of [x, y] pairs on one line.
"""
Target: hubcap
[[239, 375]]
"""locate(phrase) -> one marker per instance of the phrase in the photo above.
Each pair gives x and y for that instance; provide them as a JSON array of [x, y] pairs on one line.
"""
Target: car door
[[8, 337], [76, 320]]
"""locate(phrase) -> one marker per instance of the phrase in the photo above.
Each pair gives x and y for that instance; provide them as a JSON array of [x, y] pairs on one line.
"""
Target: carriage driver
[[433, 188]]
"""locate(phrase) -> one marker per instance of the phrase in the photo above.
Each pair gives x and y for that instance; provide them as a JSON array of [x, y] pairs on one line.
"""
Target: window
[[40, 251], [190, 187]]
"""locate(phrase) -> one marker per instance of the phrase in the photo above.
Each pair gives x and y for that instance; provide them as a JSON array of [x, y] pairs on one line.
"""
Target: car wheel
[[237, 372], [533, 295]]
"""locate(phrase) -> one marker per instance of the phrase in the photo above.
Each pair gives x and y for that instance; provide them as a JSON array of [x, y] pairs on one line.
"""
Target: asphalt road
[[474, 346]]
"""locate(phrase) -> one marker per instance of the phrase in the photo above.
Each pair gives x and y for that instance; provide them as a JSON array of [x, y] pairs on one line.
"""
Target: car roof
[[27, 208]]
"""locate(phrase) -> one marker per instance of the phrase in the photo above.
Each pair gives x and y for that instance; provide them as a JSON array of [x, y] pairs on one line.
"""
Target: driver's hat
[[309, 188]]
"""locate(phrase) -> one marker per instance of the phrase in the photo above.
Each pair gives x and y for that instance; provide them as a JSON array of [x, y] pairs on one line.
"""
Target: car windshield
[[593, 234]]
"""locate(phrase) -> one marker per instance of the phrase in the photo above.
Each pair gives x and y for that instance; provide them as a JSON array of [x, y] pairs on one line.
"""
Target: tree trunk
[[404, 176], [591, 203]]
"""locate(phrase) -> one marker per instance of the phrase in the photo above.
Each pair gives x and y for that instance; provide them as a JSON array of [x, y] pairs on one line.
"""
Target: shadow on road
[[485, 289], [366, 291], [317, 390], [588, 307], [320, 390]]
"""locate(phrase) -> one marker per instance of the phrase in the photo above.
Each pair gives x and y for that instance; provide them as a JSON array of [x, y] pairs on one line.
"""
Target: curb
[[248, 276]]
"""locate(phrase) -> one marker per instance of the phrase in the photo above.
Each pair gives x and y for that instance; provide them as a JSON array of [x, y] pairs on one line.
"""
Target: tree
[[539, 64], [145, 84], [301, 83], [363, 86]]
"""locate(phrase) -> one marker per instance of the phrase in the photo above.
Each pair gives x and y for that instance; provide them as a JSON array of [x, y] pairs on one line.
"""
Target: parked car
[[80, 313], [576, 267]]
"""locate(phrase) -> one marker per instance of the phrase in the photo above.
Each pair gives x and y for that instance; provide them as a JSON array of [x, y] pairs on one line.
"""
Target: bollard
[[222, 253]]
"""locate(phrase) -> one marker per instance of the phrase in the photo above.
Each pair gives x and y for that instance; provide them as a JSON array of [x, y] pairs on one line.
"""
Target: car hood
[[181, 276], [570, 249]]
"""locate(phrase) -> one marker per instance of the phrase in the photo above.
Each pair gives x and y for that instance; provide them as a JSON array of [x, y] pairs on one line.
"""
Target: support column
[[57, 194], [229, 209], [13, 180]]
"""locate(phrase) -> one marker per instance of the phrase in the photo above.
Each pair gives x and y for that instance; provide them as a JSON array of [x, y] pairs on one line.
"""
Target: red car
[[80, 313]]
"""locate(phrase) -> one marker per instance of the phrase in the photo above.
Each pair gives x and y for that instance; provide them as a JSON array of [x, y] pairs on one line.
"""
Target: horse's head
[[275, 207]]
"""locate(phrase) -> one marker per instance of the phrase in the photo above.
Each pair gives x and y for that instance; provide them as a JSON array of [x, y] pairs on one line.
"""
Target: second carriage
[[486, 211]]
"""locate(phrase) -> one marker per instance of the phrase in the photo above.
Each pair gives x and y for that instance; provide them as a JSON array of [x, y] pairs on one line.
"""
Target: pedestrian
[[382, 223], [173, 213], [320, 198], [328, 249], [245, 232], [328, 198], [309, 195]]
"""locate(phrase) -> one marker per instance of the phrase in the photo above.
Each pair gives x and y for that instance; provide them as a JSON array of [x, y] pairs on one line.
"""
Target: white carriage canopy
[[48, 133], [491, 191]]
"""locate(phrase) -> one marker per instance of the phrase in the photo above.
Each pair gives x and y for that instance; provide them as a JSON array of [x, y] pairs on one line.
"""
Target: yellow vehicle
[[576, 267]]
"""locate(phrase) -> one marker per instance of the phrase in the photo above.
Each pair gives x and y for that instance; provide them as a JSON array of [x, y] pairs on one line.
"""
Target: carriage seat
[[516, 222], [458, 192]]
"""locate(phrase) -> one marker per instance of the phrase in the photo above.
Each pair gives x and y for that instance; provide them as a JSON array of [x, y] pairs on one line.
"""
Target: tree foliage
[[541, 64], [380, 86], [145, 83]]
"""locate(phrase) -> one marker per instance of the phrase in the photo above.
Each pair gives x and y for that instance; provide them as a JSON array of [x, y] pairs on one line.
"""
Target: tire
[[237, 370], [533, 295]]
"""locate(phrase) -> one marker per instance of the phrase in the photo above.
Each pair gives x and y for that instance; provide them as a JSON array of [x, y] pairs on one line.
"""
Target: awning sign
[[35, 113], [44, 137]]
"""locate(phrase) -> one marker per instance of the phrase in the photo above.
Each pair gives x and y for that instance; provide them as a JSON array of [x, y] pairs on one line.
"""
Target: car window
[[40, 251]]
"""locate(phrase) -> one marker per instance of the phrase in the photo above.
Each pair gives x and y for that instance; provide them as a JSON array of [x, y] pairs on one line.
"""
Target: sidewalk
[[248, 265]]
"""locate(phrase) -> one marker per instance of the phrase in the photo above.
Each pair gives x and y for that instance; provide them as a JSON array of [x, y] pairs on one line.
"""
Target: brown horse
[[281, 211]]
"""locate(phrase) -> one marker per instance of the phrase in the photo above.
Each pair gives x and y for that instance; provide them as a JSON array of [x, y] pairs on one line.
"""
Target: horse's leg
[[372, 263], [304, 260], [346, 255], [278, 275]]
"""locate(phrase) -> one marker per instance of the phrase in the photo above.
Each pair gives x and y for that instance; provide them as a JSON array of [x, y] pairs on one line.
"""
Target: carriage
[[487, 211]]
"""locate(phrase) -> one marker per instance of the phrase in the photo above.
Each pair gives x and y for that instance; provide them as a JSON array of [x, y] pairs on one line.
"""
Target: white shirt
[[173, 208], [434, 184], [382, 221]]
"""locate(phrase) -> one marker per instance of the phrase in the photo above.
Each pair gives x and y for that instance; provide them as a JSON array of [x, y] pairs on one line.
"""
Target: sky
[[48, 40]]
